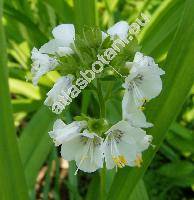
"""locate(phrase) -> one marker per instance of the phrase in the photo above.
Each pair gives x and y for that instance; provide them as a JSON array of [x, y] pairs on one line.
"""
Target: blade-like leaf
[[85, 12], [24, 88], [36, 34], [177, 84], [35, 143], [140, 192], [12, 184], [165, 21], [23, 105], [177, 169], [63, 10]]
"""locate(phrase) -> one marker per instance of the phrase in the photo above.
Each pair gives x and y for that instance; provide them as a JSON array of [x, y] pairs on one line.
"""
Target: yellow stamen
[[120, 161], [138, 160]]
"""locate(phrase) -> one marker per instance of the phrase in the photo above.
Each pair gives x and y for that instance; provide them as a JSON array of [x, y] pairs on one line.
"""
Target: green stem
[[101, 99], [102, 115], [103, 183], [86, 14], [110, 88]]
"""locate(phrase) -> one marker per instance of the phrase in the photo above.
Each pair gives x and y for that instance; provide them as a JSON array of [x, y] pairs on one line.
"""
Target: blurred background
[[29, 23]]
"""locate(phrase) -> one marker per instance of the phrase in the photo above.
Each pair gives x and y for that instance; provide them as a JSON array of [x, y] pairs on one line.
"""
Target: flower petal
[[129, 151], [65, 33], [141, 61], [60, 91], [132, 114], [42, 63], [50, 47], [108, 157], [90, 158], [151, 85], [63, 51], [120, 29], [58, 124], [69, 149]]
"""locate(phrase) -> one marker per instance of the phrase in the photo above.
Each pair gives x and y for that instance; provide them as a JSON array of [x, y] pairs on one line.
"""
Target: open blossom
[[42, 63], [83, 147], [120, 30], [64, 36], [133, 115], [124, 144], [144, 82], [57, 97]]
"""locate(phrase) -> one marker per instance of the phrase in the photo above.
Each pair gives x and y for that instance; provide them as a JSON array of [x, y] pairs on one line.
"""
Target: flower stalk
[[101, 99]]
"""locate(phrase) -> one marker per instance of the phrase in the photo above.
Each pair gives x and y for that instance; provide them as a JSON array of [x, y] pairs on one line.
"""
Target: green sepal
[[98, 126]]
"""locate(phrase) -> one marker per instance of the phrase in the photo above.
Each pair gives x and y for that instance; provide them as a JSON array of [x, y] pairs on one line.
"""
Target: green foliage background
[[24, 122]]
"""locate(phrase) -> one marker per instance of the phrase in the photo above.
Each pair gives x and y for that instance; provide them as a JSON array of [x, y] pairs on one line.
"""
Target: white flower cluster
[[123, 144], [125, 141]]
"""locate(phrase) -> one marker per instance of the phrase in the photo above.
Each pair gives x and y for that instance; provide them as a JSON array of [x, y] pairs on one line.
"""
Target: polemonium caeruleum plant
[[90, 141]]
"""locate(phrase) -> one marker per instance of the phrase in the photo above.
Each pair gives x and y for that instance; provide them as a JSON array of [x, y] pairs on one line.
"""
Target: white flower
[[124, 145], [120, 29], [83, 147], [62, 132], [64, 36], [58, 96], [42, 63], [132, 115], [144, 82]]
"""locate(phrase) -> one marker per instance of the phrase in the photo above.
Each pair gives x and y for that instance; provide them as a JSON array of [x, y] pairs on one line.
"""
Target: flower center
[[95, 141], [137, 80], [116, 135], [83, 140]]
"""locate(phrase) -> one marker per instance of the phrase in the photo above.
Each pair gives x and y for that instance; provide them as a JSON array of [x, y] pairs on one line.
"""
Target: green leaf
[[185, 146], [36, 35], [35, 143], [182, 131], [94, 189], [140, 192], [48, 176], [25, 105], [165, 21], [162, 111], [62, 9], [24, 88], [85, 13], [176, 169], [13, 183]]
